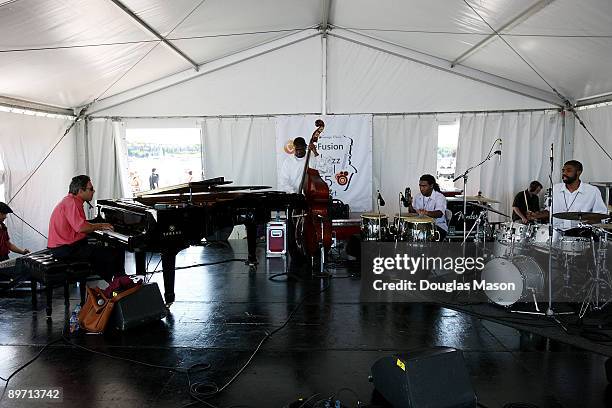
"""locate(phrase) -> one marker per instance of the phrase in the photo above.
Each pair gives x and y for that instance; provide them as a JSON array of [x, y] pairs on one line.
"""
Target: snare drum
[[565, 244], [522, 271], [374, 226], [416, 228]]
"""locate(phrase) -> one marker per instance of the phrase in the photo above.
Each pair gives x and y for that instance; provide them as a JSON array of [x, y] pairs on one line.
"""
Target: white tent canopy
[[150, 63], [69, 53]]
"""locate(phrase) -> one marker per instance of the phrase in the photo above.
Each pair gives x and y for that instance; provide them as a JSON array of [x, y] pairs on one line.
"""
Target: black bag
[[339, 210]]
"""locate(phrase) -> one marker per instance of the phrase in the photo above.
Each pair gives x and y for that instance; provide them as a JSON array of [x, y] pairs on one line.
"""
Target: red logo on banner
[[342, 178], [289, 149]]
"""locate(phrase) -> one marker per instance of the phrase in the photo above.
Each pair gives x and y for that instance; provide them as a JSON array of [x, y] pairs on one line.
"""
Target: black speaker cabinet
[[432, 378], [141, 307]]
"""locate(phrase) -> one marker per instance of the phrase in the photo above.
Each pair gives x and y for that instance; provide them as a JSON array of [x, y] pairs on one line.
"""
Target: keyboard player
[[68, 231], [6, 246]]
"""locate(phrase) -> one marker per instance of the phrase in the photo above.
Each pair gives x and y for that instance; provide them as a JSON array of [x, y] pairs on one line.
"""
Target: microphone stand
[[464, 176]]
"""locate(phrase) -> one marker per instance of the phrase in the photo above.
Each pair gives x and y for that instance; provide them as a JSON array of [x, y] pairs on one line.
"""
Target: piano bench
[[47, 270]]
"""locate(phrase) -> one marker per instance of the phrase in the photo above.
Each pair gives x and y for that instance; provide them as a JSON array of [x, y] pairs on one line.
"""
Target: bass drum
[[522, 271]]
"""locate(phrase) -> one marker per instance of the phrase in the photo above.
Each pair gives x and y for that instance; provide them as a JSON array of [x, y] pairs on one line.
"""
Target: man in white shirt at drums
[[431, 202], [572, 195]]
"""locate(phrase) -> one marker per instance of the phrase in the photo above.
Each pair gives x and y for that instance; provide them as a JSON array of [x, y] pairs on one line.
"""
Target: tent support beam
[[533, 9], [594, 100], [326, 7], [34, 106], [444, 65], [157, 35], [207, 68]]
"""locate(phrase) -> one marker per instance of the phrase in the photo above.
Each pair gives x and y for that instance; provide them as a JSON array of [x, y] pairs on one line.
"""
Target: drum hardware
[[464, 176], [602, 278]]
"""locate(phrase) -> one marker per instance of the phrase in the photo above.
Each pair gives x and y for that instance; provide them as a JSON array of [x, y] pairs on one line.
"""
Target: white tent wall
[[240, 149], [286, 80], [403, 148], [107, 158], [25, 141], [597, 166], [527, 137]]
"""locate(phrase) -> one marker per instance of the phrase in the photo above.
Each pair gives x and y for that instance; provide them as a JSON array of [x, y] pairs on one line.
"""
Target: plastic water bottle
[[74, 320]]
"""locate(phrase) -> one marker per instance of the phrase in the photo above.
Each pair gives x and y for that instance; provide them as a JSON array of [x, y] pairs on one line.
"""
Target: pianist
[[6, 246], [68, 231]]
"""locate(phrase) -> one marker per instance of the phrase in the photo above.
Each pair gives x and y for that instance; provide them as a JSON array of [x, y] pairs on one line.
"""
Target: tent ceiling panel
[[235, 16], [159, 62], [262, 85], [69, 77], [162, 15], [208, 49], [33, 23], [569, 65], [437, 15], [362, 79]]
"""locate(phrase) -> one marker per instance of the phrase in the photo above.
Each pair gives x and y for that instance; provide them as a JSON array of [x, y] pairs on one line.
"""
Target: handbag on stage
[[98, 308]]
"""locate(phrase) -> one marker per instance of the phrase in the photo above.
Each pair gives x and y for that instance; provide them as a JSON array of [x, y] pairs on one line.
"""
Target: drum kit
[[515, 241], [405, 228]]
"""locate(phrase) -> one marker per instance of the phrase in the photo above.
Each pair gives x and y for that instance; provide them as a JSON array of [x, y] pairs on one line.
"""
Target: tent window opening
[[163, 157], [448, 137]]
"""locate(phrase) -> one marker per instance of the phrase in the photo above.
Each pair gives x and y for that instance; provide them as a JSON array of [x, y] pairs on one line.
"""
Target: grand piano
[[169, 219]]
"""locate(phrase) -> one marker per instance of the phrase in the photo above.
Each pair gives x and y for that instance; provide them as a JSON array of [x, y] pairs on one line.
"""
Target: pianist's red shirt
[[66, 221]]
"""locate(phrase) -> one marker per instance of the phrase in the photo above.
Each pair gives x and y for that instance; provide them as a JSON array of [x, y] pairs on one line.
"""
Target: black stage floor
[[222, 313]]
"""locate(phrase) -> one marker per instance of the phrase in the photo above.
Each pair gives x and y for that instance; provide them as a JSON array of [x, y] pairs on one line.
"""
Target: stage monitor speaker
[[432, 378], [142, 307]]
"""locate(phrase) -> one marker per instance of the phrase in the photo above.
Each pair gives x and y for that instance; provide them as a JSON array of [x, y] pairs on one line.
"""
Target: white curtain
[[240, 149], [597, 166], [32, 193], [107, 158], [526, 138], [404, 148]]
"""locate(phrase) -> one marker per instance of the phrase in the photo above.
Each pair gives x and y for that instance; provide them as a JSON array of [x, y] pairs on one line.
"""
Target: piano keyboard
[[9, 263], [116, 235]]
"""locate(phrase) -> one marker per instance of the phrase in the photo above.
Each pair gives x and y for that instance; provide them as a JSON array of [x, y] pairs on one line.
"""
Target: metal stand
[[464, 176], [593, 286]]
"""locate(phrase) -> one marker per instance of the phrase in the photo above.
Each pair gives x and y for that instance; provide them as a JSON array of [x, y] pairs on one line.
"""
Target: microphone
[[381, 201], [551, 153], [405, 197], [499, 152]]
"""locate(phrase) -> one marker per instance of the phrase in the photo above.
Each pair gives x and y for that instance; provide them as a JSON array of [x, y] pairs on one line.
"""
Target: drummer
[[430, 202], [575, 196], [526, 204]]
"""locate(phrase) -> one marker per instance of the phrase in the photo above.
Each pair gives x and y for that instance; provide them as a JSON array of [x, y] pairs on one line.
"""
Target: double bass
[[314, 226]]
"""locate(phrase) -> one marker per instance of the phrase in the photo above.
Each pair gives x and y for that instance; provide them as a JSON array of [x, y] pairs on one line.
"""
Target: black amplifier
[[455, 223]]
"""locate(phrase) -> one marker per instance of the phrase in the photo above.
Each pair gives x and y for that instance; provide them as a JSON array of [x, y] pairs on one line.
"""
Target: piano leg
[[168, 259], [251, 232], [140, 259]]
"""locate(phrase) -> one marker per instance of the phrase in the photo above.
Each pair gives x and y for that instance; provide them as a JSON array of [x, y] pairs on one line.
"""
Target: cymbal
[[484, 207], [588, 217], [481, 199], [603, 226]]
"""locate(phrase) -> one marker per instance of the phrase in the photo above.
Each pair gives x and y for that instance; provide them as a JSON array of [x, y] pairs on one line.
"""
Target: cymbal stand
[[594, 284], [464, 176]]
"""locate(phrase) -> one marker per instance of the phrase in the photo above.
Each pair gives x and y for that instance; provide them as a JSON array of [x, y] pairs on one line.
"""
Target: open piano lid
[[217, 184]]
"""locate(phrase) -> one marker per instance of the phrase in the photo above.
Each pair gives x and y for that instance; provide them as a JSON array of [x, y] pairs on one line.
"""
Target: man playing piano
[[6, 246], [68, 231]]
